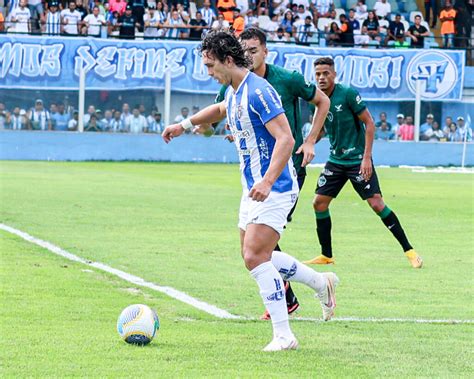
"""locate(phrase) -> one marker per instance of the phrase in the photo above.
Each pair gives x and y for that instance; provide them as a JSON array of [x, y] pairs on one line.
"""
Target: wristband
[[187, 124]]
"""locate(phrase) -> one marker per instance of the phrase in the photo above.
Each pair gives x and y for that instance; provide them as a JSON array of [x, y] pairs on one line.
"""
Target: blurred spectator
[[152, 22], [322, 8], [117, 6], [71, 19], [462, 23], [384, 132], [138, 122], [21, 17], [303, 12], [452, 132], [382, 8], [74, 121], [106, 121], [363, 38], [406, 131], [127, 24], [98, 4], [347, 32], [90, 112], [220, 24], [383, 118], [280, 6], [333, 35], [447, 16], [126, 116], [431, 5], [287, 23], [53, 108], [280, 36], [195, 109], [239, 22], [243, 5], [81, 9], [426, 129], [17, 120], [226, 7], [305, 31], [112, 22], [401, 42], [184, 114], [175, 25], [372, 25], [361, 10], [40, 118], [208, 14], [60, 119], [199, 24], [417, 33], [353, 20], [117, 124], [92, 125], [94, 22], [138, 10], [463, 131], [156, 125], [400, 121], [272, 27], [447, 124], [438, 134], [36, 11], [51, 19], [250, 19], [395, 29]]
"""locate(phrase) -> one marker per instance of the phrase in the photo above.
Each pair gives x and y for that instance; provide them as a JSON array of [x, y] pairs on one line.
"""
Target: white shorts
[[272, 212]]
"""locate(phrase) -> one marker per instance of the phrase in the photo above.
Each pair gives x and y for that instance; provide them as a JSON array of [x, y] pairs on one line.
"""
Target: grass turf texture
[[175, 225]]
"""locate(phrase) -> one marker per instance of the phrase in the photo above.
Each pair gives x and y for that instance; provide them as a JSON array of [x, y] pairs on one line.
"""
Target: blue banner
[[378, 74]]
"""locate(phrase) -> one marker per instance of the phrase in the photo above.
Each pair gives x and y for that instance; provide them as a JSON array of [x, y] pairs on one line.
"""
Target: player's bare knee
[[320, 205], [376, 203], [251, 259]]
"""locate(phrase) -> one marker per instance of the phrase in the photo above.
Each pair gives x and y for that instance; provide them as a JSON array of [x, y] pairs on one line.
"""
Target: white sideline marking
[[444, 170], [178, 295], [201, 305]]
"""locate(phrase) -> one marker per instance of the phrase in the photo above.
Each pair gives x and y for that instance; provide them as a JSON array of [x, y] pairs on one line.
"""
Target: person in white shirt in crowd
[[362, 39], [221, 24], [21, 18], [243, 5], [208, 14], [396, 126], [90, 112], [250, 19], [17, 119], [94, 22], [303, 12], [382, 8], [463, 132], [126, 116], [279, 6], [182, 116], [305, 3], [305, 31], [40, 118], [280, 36], [73, 122], [106, 120], [361, 11], [51, 19], [138, 122], [322, 8], [71, 19], [152, 21], [116, 124]]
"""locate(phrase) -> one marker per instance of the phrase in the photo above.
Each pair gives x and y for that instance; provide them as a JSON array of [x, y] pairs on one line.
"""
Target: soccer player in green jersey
[[350, 128], [291, 86]]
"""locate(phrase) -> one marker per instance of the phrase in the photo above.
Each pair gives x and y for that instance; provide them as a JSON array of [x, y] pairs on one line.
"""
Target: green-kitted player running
[[350, 128]]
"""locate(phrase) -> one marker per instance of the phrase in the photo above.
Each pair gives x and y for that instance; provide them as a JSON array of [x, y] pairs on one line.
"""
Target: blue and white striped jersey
[[53, 23], [208, 15], [249, 108]]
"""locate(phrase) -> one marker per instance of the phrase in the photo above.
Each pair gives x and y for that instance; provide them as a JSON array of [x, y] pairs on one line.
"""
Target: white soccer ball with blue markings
[[138, 324]]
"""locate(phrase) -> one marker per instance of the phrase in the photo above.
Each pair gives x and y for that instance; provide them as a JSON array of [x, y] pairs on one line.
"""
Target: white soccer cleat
[[282, 343], [327, 298]]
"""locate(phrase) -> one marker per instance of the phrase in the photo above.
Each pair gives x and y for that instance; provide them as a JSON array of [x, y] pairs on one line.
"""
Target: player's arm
[[366, 165], [279, 128], [202, 128], [322, 103], [212, 113]]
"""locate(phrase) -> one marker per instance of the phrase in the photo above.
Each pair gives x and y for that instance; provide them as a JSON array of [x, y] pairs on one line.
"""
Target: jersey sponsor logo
[[347, 151], [338, 108], [322, 181], [245, 152], [264, 103], [327, 172], [436, 71], [264, 149], [241, 133], [272, 95]]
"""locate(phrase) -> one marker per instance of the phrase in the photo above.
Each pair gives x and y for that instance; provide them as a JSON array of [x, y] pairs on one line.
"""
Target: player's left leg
[[371, 192]]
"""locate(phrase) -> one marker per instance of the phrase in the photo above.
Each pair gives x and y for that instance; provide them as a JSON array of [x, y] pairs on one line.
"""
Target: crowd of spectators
[[301, 21]]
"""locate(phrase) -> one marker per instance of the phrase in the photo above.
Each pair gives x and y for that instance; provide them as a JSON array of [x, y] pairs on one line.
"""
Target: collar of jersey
[[243, 81]]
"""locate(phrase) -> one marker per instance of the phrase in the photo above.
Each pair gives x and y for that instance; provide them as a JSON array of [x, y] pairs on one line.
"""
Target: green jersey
[[345, 131], [290, 85]]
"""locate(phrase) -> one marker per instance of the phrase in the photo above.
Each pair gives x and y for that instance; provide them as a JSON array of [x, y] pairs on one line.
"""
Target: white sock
[[272, 292], [294, 271]]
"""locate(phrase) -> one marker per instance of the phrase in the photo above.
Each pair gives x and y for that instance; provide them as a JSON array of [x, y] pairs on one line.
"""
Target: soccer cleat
[[327, 297], [414, 258], [320, 260], [282, 343]]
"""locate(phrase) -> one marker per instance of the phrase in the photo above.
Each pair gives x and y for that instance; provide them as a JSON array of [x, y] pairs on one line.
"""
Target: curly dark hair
[[222, 45], [254, 33], [324, 60]]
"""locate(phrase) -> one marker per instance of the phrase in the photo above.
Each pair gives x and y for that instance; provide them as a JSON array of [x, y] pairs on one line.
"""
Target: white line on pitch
[[185, 298]]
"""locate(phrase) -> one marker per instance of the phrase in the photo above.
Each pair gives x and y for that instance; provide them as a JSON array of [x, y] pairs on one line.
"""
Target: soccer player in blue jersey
[[264, 143]]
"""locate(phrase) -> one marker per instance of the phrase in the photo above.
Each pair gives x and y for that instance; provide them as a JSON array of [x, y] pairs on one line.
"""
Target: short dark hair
[[324, 60], [254, 33], [223, 45], [417, 16]]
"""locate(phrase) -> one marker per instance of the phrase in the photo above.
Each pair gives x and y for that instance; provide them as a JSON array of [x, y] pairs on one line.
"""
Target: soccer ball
[[138, 324]]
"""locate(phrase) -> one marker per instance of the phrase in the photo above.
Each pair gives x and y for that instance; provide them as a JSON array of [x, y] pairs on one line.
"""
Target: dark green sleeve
[[355, 102], [221, 95], [301, 88]]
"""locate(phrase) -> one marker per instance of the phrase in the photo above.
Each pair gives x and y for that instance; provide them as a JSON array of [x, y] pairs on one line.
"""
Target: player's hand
[[307, 149], [366, 169], [260, 191], [229, 137], [172, 131]]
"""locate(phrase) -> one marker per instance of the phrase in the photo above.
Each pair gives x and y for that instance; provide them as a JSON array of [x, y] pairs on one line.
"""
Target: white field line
[[187, 299]]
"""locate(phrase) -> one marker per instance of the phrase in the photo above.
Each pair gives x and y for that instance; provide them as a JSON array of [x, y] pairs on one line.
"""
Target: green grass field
[[175, 225]]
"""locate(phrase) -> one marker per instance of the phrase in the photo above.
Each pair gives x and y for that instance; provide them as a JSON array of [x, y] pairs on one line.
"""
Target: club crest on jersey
[[322, 181]]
